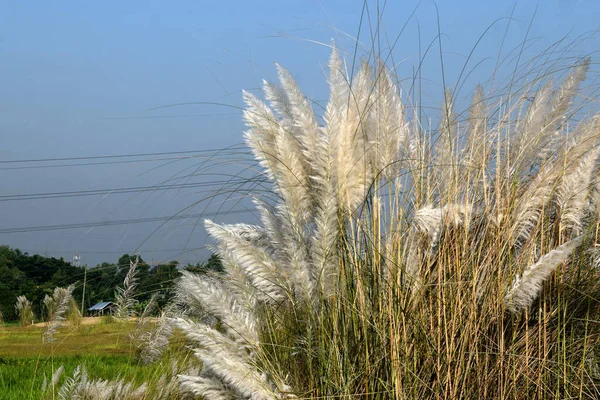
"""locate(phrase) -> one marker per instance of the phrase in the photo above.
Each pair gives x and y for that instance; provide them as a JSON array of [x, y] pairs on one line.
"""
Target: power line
[[168, 116], [126, 190], [97, 163], [116, 222], [120, 155], [84, 252], [20, 167]]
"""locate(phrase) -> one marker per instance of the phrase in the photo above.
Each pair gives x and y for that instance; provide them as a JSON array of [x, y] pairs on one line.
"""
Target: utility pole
[[77, 262]]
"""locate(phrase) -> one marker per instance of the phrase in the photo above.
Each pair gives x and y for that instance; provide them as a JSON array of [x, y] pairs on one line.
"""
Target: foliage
[[212, 265], [33, 276], [36, 277]]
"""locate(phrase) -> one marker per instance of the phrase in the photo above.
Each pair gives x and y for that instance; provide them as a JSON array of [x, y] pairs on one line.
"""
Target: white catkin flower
[[125, 300], [24, 310], [212, 297], [573, 192], [59, 303], [57, 375], [432, 220], [153, 343], [248, 247], [78, 386], [209, 388], [222, 358], [526, 287]]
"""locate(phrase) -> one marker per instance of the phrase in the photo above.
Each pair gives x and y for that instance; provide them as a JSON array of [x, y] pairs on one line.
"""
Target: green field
[[104, 349]]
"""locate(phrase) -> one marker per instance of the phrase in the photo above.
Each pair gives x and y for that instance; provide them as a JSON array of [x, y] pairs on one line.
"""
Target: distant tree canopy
[[34, 276], [213, 264]]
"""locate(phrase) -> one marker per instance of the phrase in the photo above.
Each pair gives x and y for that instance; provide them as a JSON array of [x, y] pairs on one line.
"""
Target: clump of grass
[[73, 313], [399, 262], [108, 319], [79, 386], [24, 311], [57, 307]]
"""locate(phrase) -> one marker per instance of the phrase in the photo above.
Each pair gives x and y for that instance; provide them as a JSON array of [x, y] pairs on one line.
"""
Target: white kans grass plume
[[573, 193], [530, 130], [527, 286], [49, 306], [558, 113], [216, 299], [432, 220], [151, 338], [228, 369], [391, 128], [249, 248], [125, 300], [24, 310], [57, 307], [169, 386], [57, 375], [210, 388], [54, 379], [153, 343], [477, 124], [79, 386], [536, 197]]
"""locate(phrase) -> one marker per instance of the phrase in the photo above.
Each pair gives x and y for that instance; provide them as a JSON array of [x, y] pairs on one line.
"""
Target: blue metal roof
[[100, 306]]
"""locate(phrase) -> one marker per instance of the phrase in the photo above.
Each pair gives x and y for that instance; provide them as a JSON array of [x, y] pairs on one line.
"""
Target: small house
[[107, 307]]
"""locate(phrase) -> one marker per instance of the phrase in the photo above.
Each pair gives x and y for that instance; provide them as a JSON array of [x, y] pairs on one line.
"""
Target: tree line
[[35, 276]]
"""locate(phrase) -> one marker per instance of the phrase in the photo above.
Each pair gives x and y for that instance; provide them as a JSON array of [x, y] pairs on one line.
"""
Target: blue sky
[[82, 79]]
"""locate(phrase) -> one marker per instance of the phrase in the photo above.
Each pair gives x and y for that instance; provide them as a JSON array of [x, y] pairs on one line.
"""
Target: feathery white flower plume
[[526, 288], [214, 298], [125, 300], [573, 192], [60, 304]]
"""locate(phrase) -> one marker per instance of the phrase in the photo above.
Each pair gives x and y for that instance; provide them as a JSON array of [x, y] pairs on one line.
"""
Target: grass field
[[104, 349]]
